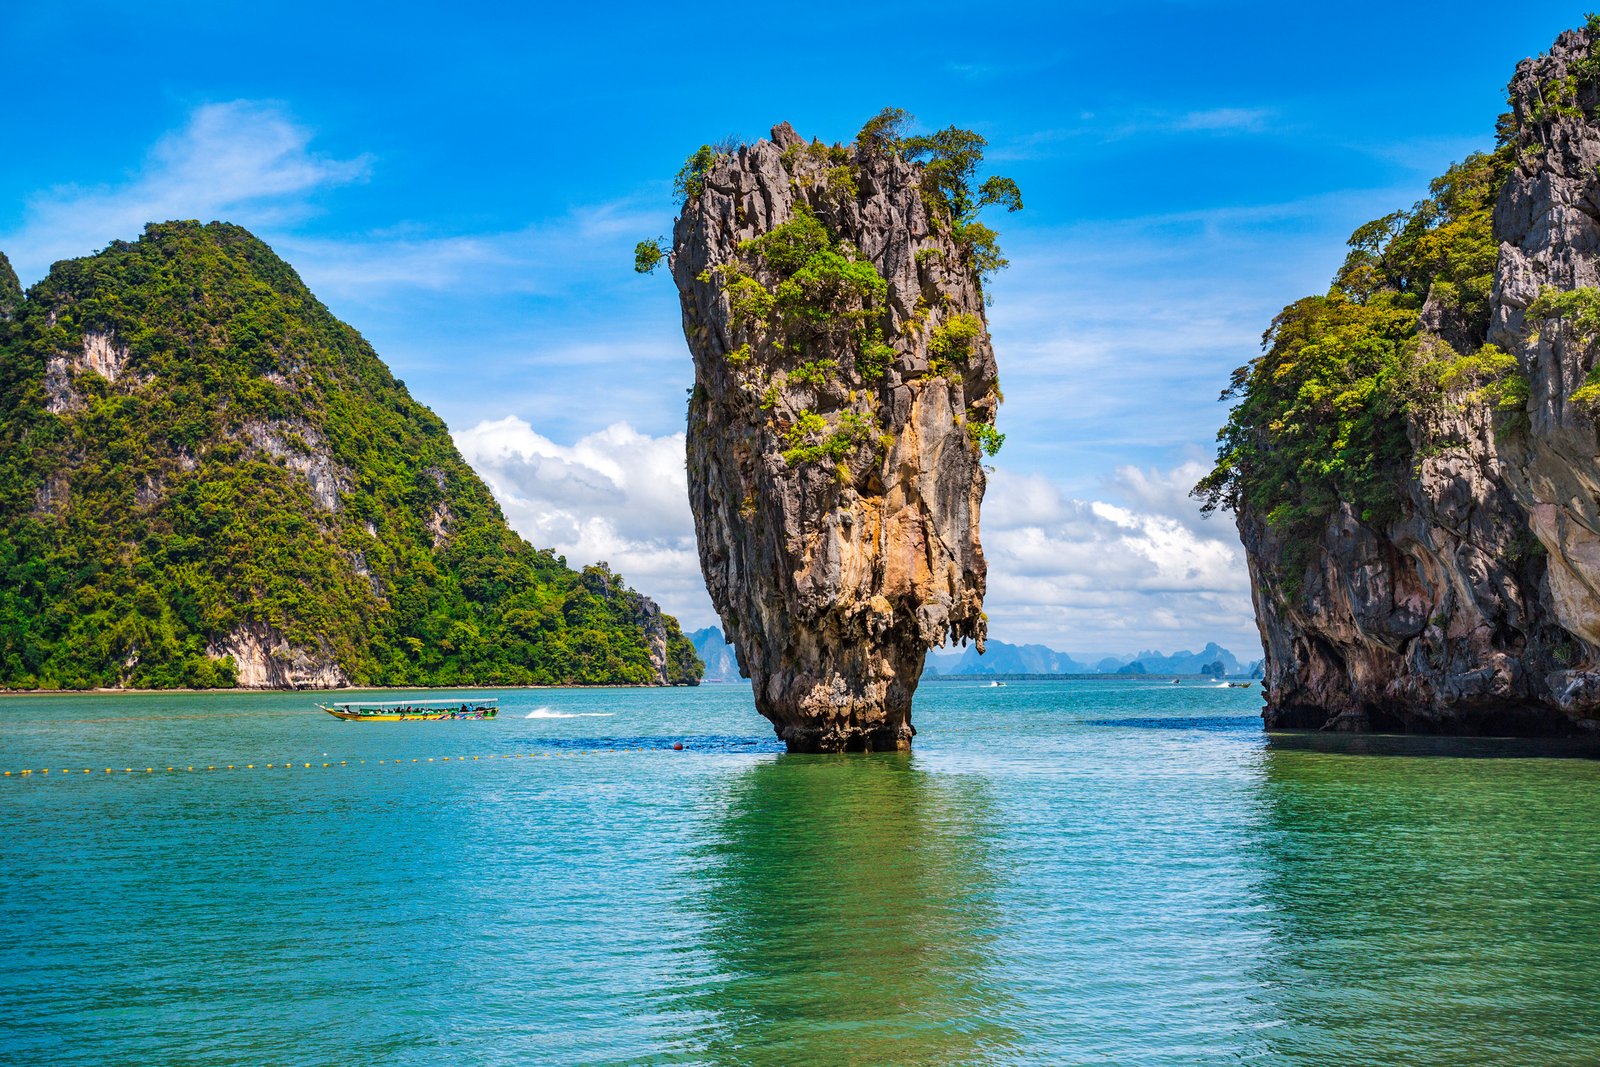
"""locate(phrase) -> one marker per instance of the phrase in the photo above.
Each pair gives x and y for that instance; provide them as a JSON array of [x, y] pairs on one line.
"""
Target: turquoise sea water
[[1096, 872]]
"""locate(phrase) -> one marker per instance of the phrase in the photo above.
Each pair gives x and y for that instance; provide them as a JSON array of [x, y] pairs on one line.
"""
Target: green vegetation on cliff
[[799, 292], [1324, 413], [194, 452], [950, 159], [10, 289]]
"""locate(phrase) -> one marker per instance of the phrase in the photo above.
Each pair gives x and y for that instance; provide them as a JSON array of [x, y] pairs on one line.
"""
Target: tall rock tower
[[845, 394]]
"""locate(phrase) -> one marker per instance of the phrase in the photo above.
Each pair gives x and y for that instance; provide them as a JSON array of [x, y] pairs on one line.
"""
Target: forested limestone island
[[1413, 461], [844, 400], [207, 480]]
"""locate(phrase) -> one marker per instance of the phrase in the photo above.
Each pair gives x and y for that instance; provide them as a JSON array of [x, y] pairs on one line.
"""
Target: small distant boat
[[1239, 685], [402, 710], [1176, 682], [997, 685]]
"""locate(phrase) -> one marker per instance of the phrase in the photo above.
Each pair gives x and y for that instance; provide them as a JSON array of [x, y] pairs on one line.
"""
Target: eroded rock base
[[799, 738]]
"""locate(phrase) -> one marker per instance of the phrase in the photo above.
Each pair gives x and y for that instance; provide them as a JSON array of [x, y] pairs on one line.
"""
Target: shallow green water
[[1107, 872]]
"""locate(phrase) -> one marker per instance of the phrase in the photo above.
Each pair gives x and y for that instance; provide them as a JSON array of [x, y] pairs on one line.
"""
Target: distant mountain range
[[721, 664], [1003, 658]]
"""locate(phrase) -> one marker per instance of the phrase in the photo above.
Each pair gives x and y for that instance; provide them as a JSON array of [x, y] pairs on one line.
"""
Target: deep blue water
[[1096, 872]]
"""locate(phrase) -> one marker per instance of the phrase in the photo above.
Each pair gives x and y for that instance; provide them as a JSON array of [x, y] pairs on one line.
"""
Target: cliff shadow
[[849, 915], [1437, 746], [1428, 911]]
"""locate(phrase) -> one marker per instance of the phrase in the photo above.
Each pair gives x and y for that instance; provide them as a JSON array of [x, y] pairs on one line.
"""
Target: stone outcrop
[[834, 464], [1478, 610], [301, 448], [1548, 224], [650, 620], [1438, 622], [265, 659]]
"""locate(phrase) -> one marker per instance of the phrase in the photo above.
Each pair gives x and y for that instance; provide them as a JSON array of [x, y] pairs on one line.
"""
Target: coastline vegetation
[[1352, 383]]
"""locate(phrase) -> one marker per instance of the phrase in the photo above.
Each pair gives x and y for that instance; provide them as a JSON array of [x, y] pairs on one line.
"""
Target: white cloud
[[566, 254], [1094, 577], [243, 160], [615, 495], [1166, 492]]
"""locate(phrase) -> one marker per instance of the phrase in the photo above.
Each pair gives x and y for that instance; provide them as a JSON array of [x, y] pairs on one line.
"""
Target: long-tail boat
[[402, 710]]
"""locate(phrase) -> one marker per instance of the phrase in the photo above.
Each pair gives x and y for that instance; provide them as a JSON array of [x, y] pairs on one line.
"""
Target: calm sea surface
[[1095, 872]]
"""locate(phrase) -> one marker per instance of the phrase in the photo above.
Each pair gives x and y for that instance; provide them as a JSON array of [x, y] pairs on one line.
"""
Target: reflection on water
[[1422, 745], [1430, 910], [849, 916], [1065, 873]]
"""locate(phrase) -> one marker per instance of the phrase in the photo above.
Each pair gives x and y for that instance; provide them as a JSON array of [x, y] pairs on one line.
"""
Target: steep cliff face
[[1548, 223], [208, 480], [1435, 622], [844, 387], [1470, 601]]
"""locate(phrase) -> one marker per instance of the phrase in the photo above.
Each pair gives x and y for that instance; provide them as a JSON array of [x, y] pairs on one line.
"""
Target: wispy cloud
[[975, 71], [1099, 127], [250, 162], [1224, 119], [245, 159], [1116, 336], [561, 255]]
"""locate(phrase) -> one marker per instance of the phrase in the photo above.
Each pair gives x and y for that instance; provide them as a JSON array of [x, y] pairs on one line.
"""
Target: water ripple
[[1081, 872]]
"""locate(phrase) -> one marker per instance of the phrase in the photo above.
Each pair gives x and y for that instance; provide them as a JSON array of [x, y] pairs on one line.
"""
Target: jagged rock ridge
[[1475, 607], [844, 380]]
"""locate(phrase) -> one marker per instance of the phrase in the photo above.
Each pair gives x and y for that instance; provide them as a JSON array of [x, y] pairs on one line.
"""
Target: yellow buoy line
[[68, 772]]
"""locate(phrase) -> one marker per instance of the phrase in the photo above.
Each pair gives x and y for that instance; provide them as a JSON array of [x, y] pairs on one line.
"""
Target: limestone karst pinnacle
[[845, 388]]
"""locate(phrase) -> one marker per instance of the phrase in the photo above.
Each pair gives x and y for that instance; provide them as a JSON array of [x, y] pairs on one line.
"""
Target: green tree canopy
[[251, 462], [1322, 415]]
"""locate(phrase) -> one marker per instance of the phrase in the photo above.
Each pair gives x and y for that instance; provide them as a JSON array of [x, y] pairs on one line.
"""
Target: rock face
[[265, 659], [1548, 223], [843, 381], [1478, 609], [1438, 622]]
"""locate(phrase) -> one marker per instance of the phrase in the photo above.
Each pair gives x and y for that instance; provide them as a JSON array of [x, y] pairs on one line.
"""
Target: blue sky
[[464, 184]]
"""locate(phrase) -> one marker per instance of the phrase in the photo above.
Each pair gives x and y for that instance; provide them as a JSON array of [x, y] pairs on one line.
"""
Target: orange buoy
[[677, 746]]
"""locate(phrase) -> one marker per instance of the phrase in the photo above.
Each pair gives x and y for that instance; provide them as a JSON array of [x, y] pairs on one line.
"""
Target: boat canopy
[[475, 701]]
